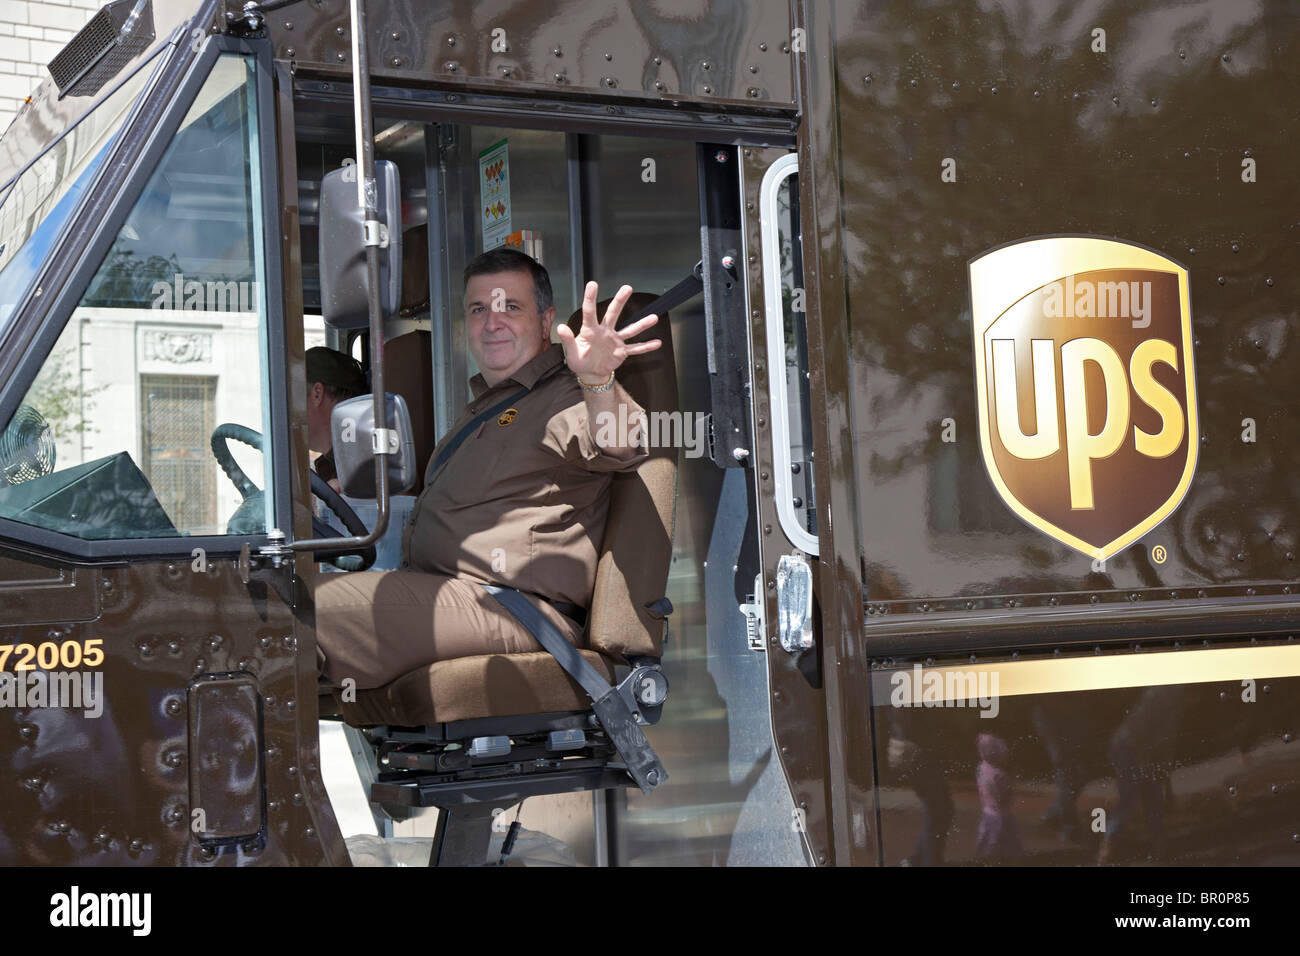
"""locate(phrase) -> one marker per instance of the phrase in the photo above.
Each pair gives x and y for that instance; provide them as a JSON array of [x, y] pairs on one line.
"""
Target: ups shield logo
[[1085, 386]]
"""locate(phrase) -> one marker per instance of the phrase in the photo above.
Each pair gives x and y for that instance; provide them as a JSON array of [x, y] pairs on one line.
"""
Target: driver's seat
[[471, 732]]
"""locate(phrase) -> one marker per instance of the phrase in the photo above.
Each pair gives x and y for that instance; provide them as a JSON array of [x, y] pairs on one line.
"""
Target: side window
[[167, 349], [787, 350]]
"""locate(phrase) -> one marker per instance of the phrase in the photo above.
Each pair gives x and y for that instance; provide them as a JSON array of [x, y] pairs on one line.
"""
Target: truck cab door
[[174, 722], [795, 586]]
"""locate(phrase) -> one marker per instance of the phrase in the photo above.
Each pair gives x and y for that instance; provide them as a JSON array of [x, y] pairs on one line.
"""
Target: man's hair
[[506, 259], [340, 375]]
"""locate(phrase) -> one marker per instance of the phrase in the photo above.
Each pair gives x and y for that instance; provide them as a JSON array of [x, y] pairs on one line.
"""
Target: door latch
[[755, 625]]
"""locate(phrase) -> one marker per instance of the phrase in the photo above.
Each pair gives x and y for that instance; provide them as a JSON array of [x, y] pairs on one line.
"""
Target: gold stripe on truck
[[1070, 674]]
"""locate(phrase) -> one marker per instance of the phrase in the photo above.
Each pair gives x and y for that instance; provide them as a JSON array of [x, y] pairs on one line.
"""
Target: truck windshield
[[39, 203]]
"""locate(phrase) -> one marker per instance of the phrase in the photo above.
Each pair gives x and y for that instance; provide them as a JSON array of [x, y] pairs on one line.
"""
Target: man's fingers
[[640, 347], [589, 303], [637, 327], [616, 307]]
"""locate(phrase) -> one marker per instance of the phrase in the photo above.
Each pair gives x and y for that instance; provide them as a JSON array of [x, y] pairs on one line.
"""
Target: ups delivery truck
[[968, 529]]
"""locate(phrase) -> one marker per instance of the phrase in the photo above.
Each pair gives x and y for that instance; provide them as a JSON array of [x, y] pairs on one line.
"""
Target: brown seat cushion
[[465, 688]]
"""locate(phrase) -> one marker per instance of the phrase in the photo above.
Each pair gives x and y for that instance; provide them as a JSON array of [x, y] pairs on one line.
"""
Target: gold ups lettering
[[1085, 386]]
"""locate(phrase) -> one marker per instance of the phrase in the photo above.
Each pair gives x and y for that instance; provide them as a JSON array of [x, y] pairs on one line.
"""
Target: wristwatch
[[609, 383]]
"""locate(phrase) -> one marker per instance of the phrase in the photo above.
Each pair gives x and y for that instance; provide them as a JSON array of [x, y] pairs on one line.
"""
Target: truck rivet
[[767, 529], [451, 41], [395, 35], [395, 61], [557, 51], [290, 52], [609, 56], [340, 56], [771, 585]]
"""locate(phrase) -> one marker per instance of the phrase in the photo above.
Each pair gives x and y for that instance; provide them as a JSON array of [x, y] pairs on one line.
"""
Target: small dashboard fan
[[26, 447]]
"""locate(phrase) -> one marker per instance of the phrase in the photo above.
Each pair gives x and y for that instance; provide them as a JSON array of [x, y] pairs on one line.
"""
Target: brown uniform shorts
[[375, 626]]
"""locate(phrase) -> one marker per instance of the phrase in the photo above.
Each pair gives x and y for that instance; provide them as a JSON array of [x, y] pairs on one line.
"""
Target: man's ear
[[315, 394], [548, 322]]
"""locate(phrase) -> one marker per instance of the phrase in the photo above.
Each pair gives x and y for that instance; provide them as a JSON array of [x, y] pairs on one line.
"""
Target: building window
[[177, 416]]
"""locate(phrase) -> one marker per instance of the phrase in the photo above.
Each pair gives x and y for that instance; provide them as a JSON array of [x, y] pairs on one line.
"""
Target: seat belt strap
[[547, 635], [611, 709], [688, 288]]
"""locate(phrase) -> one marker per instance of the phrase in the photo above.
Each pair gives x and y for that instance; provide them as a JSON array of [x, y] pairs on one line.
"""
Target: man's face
[[505, 329]]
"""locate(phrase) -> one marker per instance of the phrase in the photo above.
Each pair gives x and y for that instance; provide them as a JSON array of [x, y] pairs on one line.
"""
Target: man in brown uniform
[[521, 502]]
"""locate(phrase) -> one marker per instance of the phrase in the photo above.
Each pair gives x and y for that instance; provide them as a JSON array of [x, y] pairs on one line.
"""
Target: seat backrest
[[408, 371], [632, 572]]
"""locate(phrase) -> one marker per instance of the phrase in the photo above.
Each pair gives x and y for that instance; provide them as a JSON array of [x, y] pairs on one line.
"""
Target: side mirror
[[352, 431], [344, 304]]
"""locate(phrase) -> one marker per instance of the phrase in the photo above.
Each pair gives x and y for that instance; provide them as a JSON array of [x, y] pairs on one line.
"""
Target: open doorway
[[618, 210]]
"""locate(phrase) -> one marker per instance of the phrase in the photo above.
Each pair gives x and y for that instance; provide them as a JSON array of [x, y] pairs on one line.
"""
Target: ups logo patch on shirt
[[507, 417]]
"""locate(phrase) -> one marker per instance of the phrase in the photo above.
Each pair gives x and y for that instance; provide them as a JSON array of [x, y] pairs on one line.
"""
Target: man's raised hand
[[600, 348]]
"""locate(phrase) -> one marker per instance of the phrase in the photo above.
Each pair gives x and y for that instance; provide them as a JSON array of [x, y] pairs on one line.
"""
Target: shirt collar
[[527, 374]]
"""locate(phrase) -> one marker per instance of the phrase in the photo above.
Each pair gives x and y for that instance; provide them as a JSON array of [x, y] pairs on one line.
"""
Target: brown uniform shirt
[[523, 501]]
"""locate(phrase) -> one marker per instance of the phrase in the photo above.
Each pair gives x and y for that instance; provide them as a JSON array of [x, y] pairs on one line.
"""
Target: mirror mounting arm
[[368, 199]]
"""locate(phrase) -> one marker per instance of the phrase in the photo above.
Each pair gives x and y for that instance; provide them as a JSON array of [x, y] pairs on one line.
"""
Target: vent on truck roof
[[118, 33]]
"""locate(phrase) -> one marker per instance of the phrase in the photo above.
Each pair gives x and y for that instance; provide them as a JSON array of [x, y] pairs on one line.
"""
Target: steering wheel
[[248, 519]]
